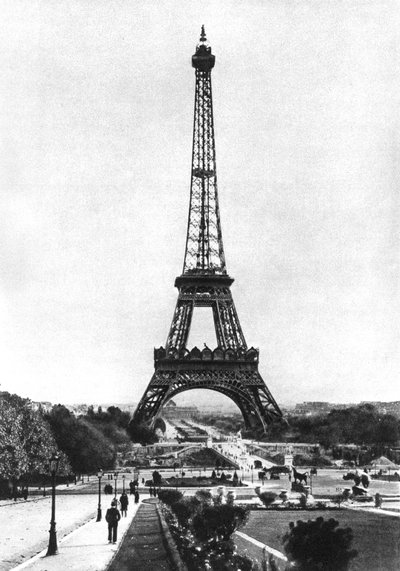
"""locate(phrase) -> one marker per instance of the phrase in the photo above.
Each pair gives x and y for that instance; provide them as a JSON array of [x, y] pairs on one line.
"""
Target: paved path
[[25, 525], [85, 549]]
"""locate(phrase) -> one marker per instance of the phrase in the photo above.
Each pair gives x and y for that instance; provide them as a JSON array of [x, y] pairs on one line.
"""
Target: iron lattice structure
[[231, 368]]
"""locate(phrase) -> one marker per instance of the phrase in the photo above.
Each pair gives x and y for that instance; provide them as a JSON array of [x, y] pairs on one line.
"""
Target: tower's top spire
[[203, 59], [204, 253]]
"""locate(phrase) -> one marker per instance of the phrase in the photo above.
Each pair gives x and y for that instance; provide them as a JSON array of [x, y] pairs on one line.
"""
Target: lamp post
[[53, 549], [99, 475], [123, 483], [115, 489]]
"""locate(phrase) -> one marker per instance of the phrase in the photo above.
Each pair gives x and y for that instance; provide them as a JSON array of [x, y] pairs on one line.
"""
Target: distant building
[[172, 411], [45, 406], [309, 408], [271, 448]]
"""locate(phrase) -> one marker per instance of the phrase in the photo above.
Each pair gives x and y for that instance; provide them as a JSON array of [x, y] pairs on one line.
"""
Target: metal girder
[[204, 248], [226, 322], [245, 388]]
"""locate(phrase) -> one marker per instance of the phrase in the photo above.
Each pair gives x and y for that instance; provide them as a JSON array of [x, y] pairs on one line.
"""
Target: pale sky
[[96, 111]]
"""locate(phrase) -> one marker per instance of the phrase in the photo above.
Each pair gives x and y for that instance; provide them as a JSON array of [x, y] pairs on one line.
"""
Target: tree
[[26, 444], [157, 479], [140, 433], [85, 445], [315, 545], [160, 425]]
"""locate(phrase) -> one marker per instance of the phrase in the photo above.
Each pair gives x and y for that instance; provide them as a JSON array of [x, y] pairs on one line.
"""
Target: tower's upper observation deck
[[203, 59]]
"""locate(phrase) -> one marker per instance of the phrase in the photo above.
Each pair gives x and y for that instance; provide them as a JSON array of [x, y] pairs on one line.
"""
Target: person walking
[[124, 501], [112, 518], [136, 496]]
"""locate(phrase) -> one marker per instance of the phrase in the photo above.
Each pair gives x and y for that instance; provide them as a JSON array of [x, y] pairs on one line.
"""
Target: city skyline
[[97, 116]]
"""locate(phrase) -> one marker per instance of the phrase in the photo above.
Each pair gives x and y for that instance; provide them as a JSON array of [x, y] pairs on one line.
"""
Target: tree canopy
[[86, 445], [26, 440], [361, 424]]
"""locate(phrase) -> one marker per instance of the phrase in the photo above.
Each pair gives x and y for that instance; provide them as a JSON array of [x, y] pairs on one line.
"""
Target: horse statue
[[300, 477]]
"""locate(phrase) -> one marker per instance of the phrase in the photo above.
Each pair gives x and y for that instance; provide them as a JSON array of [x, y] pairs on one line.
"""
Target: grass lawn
[[376, 537]]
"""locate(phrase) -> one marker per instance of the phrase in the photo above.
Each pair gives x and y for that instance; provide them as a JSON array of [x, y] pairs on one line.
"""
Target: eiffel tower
[[231, 368]]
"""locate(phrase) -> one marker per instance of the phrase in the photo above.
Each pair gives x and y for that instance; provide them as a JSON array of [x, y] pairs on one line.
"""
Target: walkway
[[85, 549]]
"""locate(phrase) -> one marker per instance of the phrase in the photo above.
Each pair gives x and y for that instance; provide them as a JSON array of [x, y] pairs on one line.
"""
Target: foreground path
[[85, 549], [25, 525]]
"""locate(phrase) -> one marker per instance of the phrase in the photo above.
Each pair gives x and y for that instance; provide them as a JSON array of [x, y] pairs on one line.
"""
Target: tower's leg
[[180, 326], [227, 325]]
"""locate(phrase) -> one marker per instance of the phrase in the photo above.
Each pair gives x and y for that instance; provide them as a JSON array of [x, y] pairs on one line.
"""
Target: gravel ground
[[25, 525]]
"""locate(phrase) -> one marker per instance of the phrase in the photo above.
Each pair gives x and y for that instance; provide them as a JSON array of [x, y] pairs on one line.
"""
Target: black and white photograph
[[200, 285]]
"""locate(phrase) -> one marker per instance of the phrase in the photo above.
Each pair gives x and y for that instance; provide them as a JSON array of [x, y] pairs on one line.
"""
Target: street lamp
[[53, 549], [99, 475], [115, 477], [123, 483]]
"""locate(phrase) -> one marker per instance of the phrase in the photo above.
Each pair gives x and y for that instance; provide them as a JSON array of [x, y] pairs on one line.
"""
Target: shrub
[[202, 527], [204, 496], [170, 497], [267, 498], [182, 511], [219, 522], [319, 544]]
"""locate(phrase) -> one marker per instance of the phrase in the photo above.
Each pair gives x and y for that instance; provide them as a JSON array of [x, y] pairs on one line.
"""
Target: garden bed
[[376, 536], [196, 482]]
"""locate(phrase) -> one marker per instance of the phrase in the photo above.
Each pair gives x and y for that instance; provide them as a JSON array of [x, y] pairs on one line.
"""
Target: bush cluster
[[202, 527], [319, 544]]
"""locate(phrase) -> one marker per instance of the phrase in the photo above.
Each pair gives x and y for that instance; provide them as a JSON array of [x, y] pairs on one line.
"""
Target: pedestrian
[[378, 500], [124, 503], [112, 518], [136, 496], [131, 487]]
